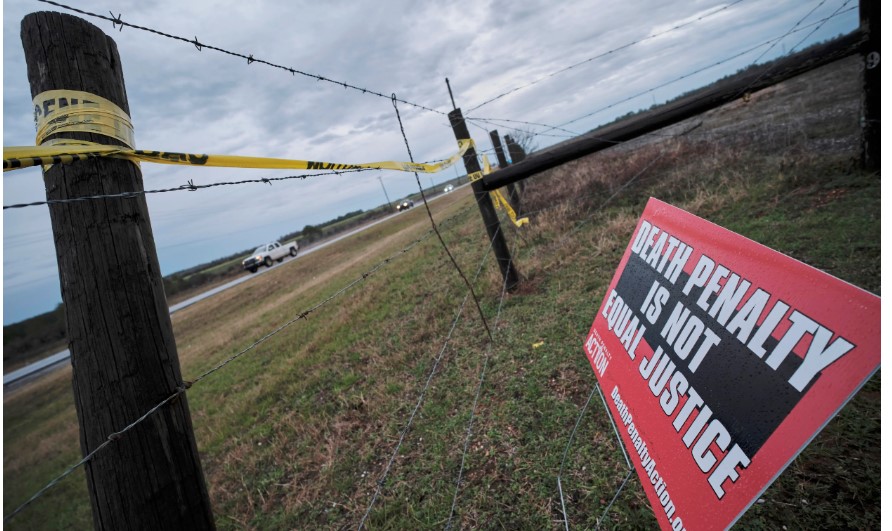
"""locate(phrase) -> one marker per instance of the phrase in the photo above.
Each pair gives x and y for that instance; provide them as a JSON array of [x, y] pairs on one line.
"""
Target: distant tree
[[526, 139]]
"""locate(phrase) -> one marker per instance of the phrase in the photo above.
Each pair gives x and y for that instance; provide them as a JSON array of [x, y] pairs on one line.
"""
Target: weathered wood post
[[513, 196], [123, 353], [870, 100], [487, 211], [517, 155]]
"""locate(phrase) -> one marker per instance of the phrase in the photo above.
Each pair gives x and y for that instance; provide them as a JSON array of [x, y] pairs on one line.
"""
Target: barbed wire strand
[[622, 447], [567, 450], [817, 25], [117, 21], [477, 394], [604, 54], [381, 482], [522, 122], [110, 439], [189, 186], [188, 384], [434, 224], [473, 121], [695, 72]]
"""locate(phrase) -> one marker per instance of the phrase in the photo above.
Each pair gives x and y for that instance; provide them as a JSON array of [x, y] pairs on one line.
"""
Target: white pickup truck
[[265, 254]]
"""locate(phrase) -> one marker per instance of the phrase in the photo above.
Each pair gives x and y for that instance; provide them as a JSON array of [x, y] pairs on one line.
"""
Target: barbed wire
[[117, 21], [567, 449], [491, 120], [477, 394], [434, 225], [383, 479], [817, 25], [473, 121], [187, 384], [189, 186], [695, 72], [604, 54]]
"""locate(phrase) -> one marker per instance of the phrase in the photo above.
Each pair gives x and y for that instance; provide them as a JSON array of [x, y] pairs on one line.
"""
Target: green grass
[[295, 433]]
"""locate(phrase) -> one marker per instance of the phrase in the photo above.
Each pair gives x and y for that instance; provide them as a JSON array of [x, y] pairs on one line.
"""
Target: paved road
[[49, 364]]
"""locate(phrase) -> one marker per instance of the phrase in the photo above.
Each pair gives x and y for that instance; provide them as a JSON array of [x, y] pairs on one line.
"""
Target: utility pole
[[487, 211], [385, 193], [123, 354]]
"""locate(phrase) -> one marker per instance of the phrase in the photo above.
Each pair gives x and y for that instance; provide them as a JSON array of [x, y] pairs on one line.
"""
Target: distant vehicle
[[448, 188], [405, 205], [265, 254]]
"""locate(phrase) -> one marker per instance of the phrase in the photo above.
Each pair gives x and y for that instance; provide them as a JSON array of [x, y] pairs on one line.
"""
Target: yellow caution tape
[[23, 157], [72, 111], [498, 199]]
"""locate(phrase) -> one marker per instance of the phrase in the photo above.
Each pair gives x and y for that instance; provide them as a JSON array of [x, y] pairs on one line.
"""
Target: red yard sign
[[722, 359]]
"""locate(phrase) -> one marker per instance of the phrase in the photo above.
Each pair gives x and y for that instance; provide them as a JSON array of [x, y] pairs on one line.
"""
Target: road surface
[[49, 364]]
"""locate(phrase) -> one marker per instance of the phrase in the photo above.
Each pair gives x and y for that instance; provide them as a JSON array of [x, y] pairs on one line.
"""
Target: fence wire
[[190, 186], [816, 26], [188, 384], [118, 21], [604, 54], [383, 479], [695, 72], [477, 394], [434, 225]]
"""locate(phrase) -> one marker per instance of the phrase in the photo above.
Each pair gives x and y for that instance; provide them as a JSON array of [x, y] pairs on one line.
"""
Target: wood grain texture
[[487, 210], [123, 352]]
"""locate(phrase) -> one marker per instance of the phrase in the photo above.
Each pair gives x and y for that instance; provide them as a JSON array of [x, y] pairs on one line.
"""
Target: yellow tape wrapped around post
[[73, 111], [498, 199], [59, 111]]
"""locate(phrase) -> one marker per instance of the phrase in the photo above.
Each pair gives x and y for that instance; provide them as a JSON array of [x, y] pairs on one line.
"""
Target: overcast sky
[[186, 100]]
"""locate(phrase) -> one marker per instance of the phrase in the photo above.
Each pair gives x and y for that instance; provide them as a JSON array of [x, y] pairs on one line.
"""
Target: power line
[[614, 50], [117, 21]]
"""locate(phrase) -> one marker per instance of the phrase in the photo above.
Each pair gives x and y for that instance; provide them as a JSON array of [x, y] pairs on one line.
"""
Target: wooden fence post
[[123, 353], [870, 100], [517, 155], [513, 196], [487, 211]]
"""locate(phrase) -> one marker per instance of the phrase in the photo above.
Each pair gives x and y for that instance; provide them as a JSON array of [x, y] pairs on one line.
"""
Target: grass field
[[296, 433]]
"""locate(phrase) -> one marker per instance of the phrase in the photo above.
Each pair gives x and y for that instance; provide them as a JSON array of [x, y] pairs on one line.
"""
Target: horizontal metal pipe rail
[[697, 103]]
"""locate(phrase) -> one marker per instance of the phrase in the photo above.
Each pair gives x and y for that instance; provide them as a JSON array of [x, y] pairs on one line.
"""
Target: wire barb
[[117, 21], [250, 58], [394, 100]]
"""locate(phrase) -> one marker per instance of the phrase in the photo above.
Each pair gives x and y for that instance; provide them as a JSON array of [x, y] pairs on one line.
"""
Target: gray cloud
[[187, 100]]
